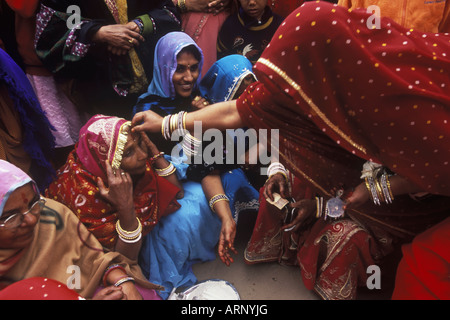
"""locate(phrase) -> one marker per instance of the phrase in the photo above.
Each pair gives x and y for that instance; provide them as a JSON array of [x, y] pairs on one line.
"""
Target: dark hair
[[193, 50]]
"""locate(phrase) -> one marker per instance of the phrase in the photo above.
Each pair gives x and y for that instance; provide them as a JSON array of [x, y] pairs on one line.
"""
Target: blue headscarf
[[224, 77], [38, 140], [165, 63]]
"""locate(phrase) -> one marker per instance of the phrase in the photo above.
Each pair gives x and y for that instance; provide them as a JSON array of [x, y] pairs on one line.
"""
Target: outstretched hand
[[148, 121]]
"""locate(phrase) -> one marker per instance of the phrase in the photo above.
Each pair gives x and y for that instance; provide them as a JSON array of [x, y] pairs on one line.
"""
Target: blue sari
[[190, 234]]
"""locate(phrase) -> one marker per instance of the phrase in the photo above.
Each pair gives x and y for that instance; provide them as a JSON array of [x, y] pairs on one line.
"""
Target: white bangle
[[123, 280], [275, 168], [129, 235], [131, 240], [166, 171]]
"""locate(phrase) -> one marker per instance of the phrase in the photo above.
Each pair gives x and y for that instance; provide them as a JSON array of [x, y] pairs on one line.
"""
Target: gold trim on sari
[[309, 101]]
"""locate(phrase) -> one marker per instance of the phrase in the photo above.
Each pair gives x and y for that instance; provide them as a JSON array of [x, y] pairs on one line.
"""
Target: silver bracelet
[[123, 280], [370, 184]]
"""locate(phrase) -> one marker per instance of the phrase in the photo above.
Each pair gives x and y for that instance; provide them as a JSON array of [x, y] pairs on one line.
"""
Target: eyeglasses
[[15, 220]]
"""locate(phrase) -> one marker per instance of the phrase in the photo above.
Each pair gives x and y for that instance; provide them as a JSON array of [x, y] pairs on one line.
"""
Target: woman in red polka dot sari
[[343, 95]]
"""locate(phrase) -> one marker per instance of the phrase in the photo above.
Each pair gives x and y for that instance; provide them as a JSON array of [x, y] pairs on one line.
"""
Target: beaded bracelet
[[217, 198], [140, 25], [157, 156]]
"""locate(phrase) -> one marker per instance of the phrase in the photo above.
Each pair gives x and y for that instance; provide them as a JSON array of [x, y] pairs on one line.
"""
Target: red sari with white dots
[[341, 94]]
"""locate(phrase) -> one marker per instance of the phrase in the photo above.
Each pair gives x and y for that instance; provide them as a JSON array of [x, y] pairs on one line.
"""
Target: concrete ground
[[265, 281], [268, 281]]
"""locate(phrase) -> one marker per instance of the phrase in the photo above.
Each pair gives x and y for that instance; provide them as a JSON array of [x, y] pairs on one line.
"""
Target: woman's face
[[19, 202], [186, 74], [135, 154]]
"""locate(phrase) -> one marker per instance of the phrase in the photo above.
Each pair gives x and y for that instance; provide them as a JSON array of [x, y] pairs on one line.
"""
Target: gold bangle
[[379, 190], [217, 198], [388, 184], [129, 235], [368, 188], [184, 121], [170, 169]]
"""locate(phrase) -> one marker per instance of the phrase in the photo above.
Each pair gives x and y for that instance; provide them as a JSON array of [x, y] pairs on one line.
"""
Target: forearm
[[212, 185], [222, 116], [162, 163], [129, 247], [400, 185]]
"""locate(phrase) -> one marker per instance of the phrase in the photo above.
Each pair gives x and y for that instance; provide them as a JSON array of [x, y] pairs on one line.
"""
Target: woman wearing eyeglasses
[[42, 241]]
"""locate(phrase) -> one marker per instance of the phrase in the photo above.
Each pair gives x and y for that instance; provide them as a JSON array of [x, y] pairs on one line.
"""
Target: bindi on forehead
[[24, 198]]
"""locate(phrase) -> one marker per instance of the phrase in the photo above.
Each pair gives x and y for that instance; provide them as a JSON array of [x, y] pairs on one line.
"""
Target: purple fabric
[[11, 178], [166, 52]]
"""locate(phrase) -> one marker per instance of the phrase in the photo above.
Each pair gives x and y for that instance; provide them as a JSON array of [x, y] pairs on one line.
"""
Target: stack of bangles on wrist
[[275, 168], [170, 169], [122, 280], [191, 145], [172, 123], [129, 236], [379, 189], [217, 198]]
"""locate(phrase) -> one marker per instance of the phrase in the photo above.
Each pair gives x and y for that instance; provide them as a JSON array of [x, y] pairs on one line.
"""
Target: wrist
[[97, 36], [131, 234], [112, 274], [124, 281], [126, 214]]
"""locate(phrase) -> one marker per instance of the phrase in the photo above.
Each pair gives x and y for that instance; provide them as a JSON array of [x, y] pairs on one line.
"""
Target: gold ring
[[122, 173], [130, 41], [205, 103]]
